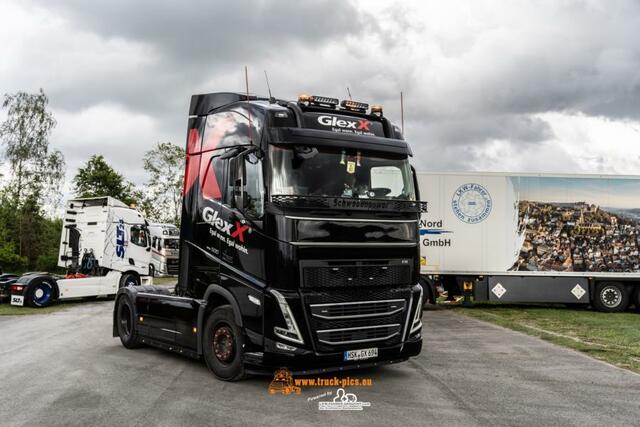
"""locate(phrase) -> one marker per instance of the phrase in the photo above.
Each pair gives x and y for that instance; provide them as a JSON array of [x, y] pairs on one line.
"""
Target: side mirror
[[238, 198]]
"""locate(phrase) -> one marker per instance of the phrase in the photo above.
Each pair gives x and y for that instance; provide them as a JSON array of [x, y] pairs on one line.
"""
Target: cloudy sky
[[537, 86]]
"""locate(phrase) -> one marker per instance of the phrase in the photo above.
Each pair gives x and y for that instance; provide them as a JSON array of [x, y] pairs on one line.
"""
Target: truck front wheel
[[611, 297], [223, 345], [125, 322]]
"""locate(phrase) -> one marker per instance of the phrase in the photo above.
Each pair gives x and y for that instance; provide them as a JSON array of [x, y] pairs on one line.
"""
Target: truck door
[[245, 246], [139, 255], [246, 250]]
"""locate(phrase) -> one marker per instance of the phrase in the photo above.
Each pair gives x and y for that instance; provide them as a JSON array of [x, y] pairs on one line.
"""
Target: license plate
[[17, 300], [365, 353]]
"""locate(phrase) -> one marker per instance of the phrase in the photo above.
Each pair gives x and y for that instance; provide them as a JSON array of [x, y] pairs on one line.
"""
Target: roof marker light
[[376, 109]]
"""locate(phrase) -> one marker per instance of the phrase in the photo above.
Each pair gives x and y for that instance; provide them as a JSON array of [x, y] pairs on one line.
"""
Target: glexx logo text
[[236, 231], [342, 123]]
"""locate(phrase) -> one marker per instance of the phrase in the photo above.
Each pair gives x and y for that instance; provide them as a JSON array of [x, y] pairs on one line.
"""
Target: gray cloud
[[476, 75]]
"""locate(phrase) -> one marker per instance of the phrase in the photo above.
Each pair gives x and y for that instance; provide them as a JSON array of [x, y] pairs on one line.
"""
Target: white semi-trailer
[[165, 249], [571, 239], [104, 246]]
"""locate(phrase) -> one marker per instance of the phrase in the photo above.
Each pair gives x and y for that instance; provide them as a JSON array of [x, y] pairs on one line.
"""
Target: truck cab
[[165, 248], [104, 245], [298, 241]]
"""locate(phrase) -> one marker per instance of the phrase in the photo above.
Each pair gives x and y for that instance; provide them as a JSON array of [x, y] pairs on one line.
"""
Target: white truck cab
[[104, 245], [165, 249]]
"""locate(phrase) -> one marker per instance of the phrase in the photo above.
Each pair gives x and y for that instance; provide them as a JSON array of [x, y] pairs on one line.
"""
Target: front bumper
[[306, 362]]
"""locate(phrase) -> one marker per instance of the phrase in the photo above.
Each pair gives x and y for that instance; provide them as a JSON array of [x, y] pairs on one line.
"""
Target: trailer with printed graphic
[[298, 241], [533, 238], [104, 246]]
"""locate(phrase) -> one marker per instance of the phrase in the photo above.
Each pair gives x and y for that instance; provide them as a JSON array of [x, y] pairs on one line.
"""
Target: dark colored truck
[[299, 241]]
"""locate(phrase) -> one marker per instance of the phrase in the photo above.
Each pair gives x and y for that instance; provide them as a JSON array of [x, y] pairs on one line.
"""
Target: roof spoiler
[[203, 104]]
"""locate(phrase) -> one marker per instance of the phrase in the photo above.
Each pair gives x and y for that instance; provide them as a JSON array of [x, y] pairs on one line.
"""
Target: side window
[[139, 236], [215, 179], [253, 186]]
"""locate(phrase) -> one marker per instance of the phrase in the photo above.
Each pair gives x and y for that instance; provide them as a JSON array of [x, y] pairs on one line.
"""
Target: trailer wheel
[[129, 279], [611, 297], [41, 294], [126, 322], [223, 345]]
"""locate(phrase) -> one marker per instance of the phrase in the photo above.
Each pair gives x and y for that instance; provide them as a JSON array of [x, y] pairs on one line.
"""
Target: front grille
[[172, 266], [356, 310], [318, 274], [347, 317], [345, 336]]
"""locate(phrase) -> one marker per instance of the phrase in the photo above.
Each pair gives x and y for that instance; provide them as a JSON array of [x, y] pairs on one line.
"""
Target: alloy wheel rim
[[611, 296], [223, 344]]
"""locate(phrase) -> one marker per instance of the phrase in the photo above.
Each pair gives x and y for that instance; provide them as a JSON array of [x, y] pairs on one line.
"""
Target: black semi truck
[[299, 241]]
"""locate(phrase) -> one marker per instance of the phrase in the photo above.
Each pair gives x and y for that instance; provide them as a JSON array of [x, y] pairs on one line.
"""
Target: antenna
[[349, 92], [402, 113], [246, 84], [271, 100]]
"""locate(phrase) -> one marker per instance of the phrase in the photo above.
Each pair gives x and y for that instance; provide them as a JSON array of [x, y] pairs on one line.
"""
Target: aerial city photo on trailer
[[578, 224]]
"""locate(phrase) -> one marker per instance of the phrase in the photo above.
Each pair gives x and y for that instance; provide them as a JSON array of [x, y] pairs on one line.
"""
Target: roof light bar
[[360, 107], [319, 100]]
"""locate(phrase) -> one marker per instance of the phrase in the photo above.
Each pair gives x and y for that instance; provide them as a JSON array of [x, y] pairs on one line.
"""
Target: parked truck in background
[[104, 246], [165, 248], [298, 241], [533, 238]]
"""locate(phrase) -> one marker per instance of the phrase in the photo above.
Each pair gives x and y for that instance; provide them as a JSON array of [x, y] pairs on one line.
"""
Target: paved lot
[[66, 369]]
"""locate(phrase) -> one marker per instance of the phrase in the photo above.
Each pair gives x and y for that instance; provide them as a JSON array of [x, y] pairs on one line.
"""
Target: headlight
[[292, 333], [417, 318]]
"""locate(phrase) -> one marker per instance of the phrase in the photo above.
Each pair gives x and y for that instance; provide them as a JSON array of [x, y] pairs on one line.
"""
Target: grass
[[12, 310], [611, 337], [169, 280]]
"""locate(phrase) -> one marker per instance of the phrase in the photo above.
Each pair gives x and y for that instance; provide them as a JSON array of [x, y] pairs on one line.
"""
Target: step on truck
[[298, 241], [532, 238], [104, 245]]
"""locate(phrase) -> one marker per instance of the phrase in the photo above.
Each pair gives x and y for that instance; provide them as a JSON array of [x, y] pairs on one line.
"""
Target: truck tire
[[129, 279], [223, 345], [152, 270], [126, 322], [41, 293], [611, 297]]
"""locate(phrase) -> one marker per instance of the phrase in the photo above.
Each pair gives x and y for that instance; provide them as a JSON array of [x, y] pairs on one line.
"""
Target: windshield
[[336, 172], [171, 243]]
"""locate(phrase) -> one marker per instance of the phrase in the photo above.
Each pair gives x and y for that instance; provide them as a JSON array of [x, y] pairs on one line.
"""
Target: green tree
[[99, 179], [36, 170], [165, 165]]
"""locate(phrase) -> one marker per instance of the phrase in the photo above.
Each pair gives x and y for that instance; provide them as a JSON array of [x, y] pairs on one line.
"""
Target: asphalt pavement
[[65, 369]]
